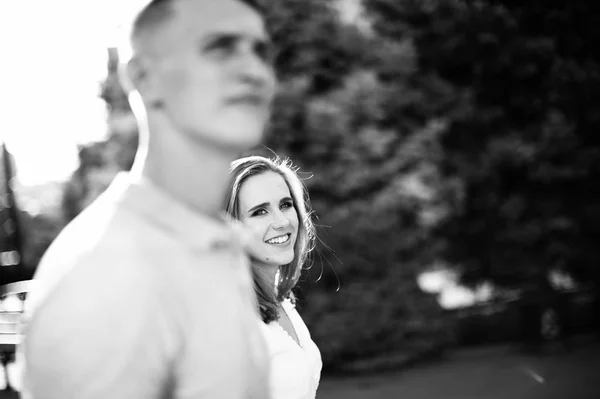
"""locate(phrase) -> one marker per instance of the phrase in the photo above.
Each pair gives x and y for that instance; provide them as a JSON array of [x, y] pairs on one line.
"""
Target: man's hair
[[243, 169], [157, 12], [152, 16]]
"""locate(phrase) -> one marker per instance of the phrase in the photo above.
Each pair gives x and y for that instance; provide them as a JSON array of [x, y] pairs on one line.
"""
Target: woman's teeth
[[278, 240]]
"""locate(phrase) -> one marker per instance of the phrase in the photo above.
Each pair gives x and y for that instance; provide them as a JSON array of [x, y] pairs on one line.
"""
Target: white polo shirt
[[141, 297]]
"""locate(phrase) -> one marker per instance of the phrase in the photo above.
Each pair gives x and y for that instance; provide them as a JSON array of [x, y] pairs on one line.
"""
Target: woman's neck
[[269, 273]]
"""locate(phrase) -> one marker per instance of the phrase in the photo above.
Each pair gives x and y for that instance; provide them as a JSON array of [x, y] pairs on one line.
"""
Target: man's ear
[[139, 77], [136, 74]]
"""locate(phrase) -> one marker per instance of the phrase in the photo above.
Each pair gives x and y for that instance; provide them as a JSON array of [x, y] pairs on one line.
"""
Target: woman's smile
[[279, 240]]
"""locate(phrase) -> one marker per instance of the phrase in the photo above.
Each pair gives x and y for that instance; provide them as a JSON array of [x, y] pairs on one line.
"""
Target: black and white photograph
[[300, 199]]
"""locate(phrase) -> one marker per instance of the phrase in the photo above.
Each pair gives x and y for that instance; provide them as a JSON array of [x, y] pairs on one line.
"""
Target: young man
[[147, 294]]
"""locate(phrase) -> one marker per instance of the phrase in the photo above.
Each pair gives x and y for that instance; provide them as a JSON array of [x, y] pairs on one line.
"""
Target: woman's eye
[[287, 205], [259, 212]]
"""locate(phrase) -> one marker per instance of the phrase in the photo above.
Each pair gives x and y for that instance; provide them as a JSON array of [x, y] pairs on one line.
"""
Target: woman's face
[[266, 207]]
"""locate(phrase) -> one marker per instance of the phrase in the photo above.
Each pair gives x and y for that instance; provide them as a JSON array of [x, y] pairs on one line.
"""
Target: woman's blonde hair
[[241, 170]]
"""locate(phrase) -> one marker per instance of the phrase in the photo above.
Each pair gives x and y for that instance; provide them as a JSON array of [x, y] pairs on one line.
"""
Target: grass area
[[485, 373]]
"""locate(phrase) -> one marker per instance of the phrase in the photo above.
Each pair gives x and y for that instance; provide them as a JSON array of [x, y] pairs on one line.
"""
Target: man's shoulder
[[87, 233], [94, 279], [92, 248]]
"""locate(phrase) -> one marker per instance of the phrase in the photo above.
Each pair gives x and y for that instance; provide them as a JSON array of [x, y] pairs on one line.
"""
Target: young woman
[[270, 200]]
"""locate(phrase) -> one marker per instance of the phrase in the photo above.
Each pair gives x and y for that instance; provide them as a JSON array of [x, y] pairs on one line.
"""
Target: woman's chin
[[277, 259], [284, 260]]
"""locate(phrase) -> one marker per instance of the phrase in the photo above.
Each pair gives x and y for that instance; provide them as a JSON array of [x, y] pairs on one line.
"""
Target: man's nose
[[256, 70]]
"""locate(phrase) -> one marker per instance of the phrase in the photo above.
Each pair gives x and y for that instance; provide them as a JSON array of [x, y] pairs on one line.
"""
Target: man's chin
[[233, 135], [243, 144], [243, 138], [242, 119]]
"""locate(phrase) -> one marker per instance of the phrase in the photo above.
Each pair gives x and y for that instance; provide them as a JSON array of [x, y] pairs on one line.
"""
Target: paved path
[[489, 373], [486, 373]]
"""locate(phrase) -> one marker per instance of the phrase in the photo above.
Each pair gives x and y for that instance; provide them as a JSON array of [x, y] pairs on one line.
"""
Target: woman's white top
[[295, 369]]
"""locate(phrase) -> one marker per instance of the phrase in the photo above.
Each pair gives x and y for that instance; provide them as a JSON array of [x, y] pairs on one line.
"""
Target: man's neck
[[196, 175]]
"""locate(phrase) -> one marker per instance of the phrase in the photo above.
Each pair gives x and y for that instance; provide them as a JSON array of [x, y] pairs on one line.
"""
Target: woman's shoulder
[[289, 304], [289, 298]]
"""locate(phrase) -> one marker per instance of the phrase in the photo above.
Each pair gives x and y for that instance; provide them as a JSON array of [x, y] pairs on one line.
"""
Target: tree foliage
[[526, 148]]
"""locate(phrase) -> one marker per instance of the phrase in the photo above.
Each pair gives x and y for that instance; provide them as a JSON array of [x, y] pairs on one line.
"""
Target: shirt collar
[[142, 196]]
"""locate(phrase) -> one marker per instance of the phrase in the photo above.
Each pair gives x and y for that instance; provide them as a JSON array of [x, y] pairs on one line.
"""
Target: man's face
[[213, 79]]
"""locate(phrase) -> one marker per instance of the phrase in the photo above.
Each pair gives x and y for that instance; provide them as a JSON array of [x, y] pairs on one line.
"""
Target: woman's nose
[[280, 220]]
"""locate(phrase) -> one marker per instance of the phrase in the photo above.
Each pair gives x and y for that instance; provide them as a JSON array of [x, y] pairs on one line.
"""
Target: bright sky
[[53, 59]]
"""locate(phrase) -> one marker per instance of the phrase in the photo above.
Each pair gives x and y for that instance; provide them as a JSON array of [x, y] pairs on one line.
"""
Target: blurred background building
[[11, 241]]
